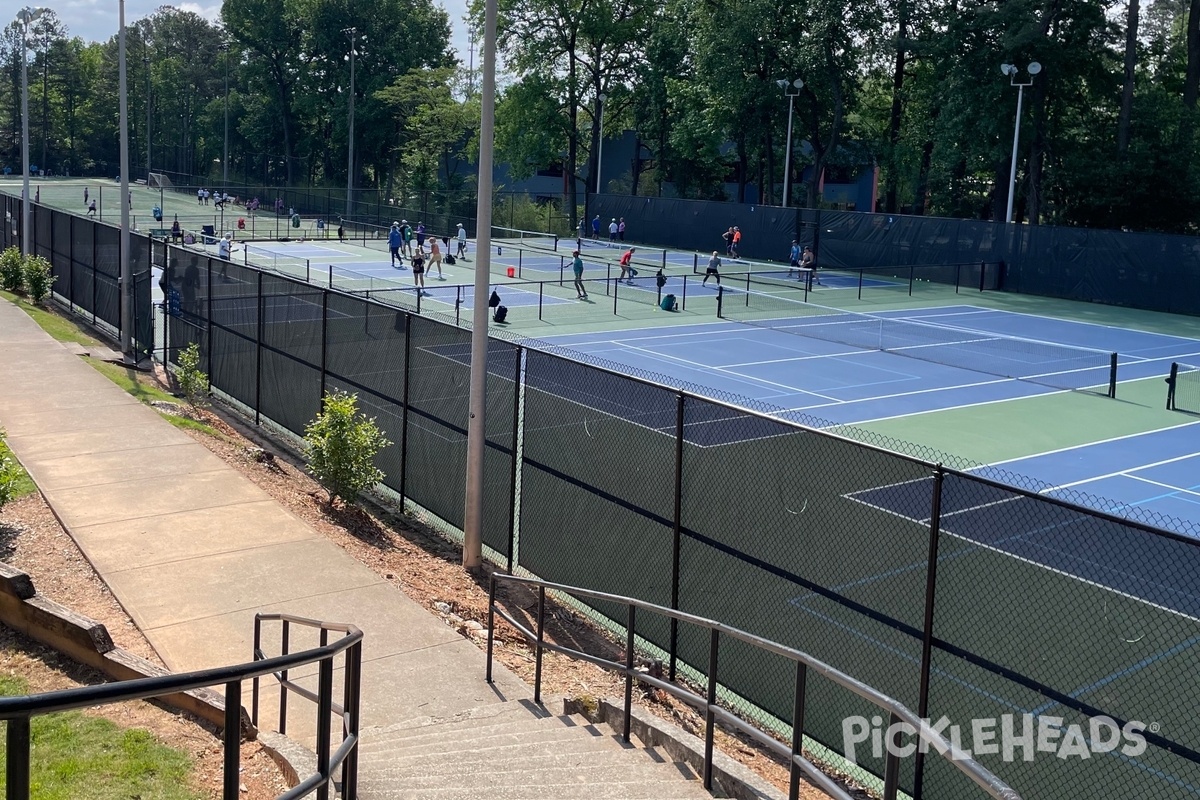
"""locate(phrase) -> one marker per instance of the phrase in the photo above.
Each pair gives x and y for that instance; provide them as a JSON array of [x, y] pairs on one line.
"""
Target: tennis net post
[[720, 300], [1171, 378], [1112, 376]]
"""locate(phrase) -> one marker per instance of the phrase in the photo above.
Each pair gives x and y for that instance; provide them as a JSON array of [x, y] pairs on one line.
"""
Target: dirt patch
[[32, 539]]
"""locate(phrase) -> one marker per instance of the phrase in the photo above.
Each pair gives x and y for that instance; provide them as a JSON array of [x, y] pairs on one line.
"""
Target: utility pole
[[476, 442], [353, 34]]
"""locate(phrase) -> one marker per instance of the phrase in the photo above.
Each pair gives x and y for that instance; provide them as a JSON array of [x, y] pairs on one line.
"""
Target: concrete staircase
[[515, 751]]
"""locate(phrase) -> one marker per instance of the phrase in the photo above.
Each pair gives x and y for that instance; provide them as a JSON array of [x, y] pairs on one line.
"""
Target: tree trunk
[[822, 150], [1191, 81], [768, 197], [636, 166], [897, 106], [922, 188], [1037, 148], [743, 169], [1123, 122]]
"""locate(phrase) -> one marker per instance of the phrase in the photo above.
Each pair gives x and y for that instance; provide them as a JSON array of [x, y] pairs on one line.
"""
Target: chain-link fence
[[963, 596], [85, 261]]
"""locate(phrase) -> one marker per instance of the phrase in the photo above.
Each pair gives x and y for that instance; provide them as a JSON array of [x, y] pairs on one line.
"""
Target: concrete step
[[577, 768], [607, 790], [376, 739], [516, 752], [493, 716], [541, 745]]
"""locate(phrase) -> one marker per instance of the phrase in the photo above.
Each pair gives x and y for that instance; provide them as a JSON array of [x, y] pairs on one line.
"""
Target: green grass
[[75, 755], [128, 379], [61, 328], [25, 485]]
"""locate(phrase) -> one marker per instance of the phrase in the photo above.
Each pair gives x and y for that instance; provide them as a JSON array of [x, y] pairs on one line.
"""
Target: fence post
[[982, 274], [284, 649], [404, 402], [208, 303], [675, 544], [710, 719], [325, 341], [537, 665], [232, 741], [512, 478], [935, 525], [258, 353], [324, 717], [891, 769], [491, 625], [16, 758], [797, 730], [630, 628]]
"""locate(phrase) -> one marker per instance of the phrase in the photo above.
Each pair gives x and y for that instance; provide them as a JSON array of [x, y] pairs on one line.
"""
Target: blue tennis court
[[818, 381]]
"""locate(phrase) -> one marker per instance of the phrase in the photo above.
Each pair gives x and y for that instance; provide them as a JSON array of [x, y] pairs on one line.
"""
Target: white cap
[[460, 224], [229, 235]]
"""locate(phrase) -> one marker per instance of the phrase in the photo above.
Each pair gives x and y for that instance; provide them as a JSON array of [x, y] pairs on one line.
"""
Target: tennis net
[[1183, 388], [517, 236], [292, 266], [1046, 363]]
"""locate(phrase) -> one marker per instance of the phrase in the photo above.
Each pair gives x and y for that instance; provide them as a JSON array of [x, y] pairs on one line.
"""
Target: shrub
[[10, 473], [12, 270], [342, 445], [38, 279], [192, 381]]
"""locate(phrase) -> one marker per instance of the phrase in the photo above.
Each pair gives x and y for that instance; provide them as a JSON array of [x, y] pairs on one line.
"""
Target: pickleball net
[[1045, 363], [1183, 388]]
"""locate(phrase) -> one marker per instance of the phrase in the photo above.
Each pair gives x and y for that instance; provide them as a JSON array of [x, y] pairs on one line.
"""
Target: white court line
[[1081, 322], [1100, 441], [1118, 473], [1176, 489], [799, 358], [741, 378], [1007, 554]]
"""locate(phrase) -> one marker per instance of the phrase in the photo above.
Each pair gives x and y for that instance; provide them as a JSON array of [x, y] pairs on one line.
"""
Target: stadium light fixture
[[1013, 72], [788, 87], [26, 16], [126, 281]]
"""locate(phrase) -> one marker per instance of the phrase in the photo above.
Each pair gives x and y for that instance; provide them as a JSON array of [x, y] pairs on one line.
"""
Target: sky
[[96, 20]]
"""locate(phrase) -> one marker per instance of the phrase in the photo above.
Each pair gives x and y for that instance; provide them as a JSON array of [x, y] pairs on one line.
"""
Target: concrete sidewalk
[[192, 549]]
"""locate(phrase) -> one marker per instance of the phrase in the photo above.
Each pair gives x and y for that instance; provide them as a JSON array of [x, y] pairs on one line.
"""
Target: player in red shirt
[[626, 266]]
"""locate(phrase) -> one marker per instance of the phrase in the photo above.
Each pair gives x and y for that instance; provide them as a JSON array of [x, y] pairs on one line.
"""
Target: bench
[[160, 233]]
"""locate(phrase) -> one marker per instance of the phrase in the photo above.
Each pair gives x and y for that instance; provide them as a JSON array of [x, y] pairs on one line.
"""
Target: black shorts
[[711, 271], [395, 252], [418, 269]]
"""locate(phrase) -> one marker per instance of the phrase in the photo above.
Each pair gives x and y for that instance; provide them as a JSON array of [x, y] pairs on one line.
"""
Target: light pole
[[225, 158], [600, 146], [146, 64], [787, 158], [353, 34], [126, 281], [26, 17], [477, 403], [1011, 71]]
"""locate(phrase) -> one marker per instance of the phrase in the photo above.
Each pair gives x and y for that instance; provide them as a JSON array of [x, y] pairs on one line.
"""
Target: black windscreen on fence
[[1038, 609]]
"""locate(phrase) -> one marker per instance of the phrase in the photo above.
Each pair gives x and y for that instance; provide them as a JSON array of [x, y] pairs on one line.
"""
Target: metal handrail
[[346, 756], [19, 710], [898, 712]]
